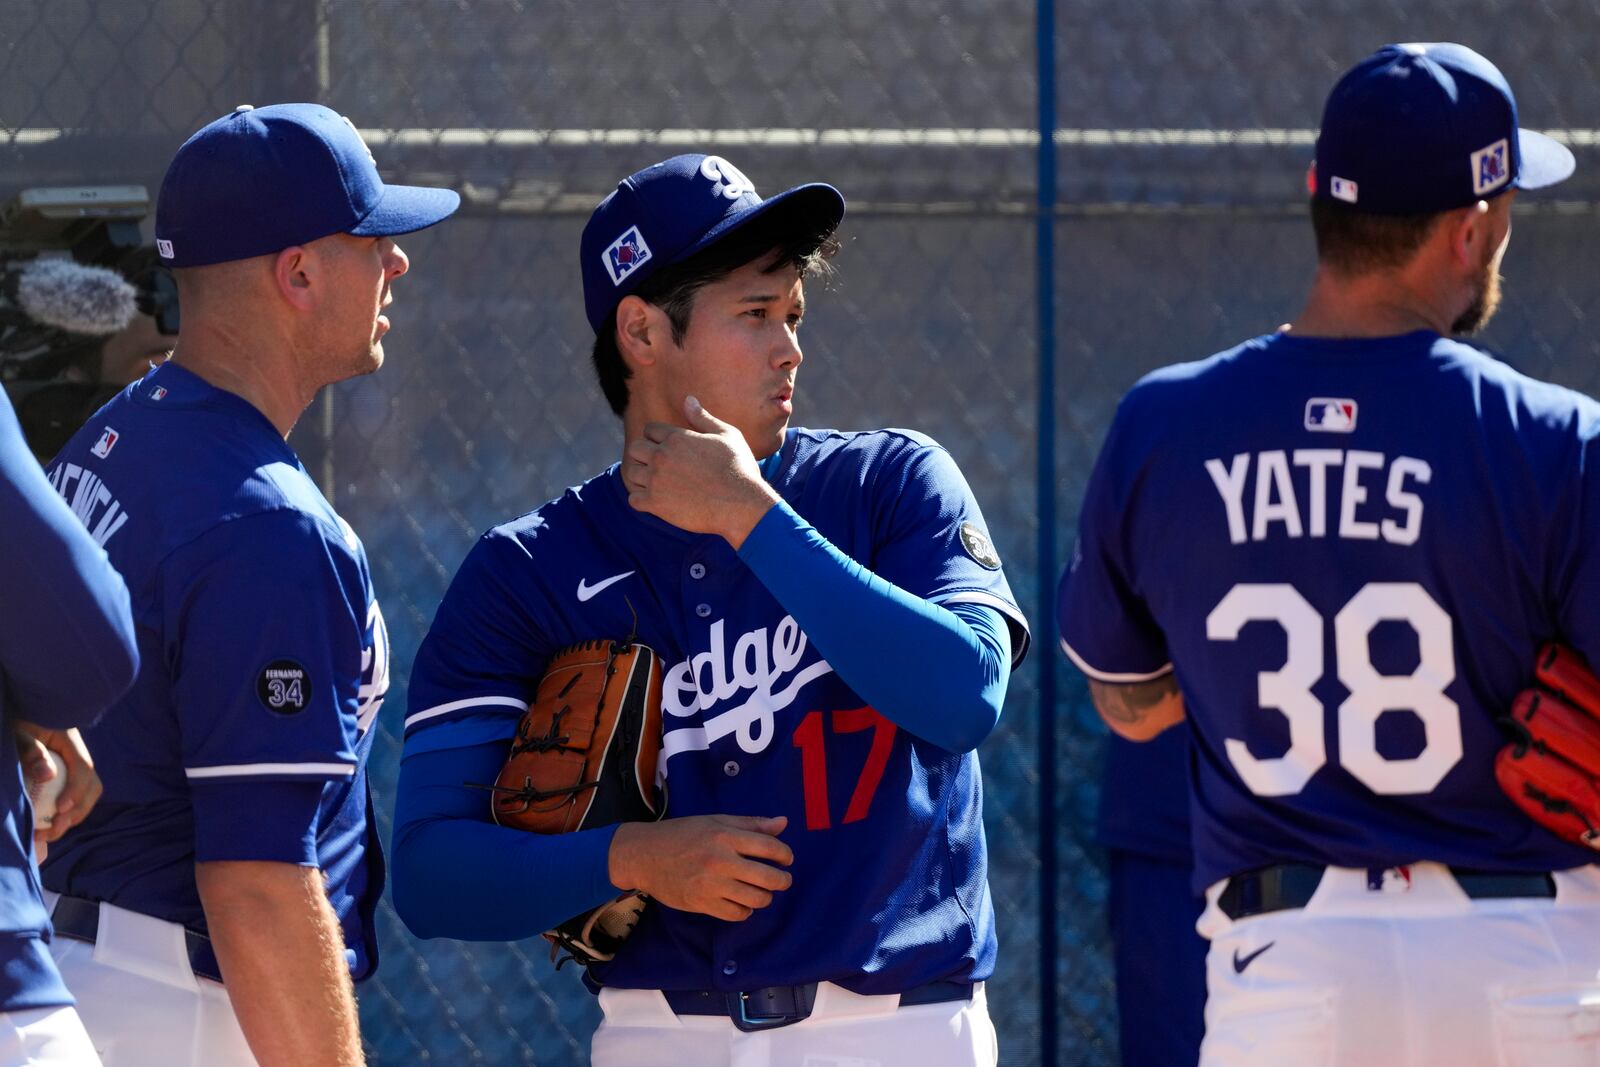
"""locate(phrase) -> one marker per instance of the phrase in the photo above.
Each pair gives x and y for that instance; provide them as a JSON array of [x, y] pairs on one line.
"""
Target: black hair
[[1352, 241], [673, 288]]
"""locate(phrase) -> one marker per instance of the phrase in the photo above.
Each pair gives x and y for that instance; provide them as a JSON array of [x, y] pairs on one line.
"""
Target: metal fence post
[[1046, 446]]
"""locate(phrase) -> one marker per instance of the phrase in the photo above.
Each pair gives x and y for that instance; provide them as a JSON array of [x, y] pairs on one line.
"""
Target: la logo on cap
[[1489, 168], [360, 138], [726, 179]]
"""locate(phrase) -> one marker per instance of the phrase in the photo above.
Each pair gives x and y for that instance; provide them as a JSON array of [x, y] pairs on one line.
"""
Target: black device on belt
[[79, 919], [764, 1009], [1290, 885]]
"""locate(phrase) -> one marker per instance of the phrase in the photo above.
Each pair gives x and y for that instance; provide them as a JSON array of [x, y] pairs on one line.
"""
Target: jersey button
[[730, 768], [703, 610], [730, 968], [697, 570]]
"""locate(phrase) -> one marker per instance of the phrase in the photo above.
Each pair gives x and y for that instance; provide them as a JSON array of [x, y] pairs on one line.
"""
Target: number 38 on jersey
[[1287, 690]]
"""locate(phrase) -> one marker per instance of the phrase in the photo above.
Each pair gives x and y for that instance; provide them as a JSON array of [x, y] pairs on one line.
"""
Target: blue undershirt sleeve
[[939, 672], [458, 875]]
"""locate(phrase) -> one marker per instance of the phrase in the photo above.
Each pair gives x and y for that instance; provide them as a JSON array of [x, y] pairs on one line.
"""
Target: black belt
[[79, 919], [1290, 885], [780, 1005]]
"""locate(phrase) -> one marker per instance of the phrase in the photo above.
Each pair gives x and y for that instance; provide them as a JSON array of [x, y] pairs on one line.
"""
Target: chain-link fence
[[1182, 132]]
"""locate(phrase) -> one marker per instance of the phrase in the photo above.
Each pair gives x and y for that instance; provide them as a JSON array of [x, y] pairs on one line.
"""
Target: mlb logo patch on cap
[[627, 254], [1343, 189], [1331, 414]]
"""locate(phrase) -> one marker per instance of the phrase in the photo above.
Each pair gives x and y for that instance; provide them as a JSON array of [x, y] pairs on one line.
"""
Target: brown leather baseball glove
[[584, 756]]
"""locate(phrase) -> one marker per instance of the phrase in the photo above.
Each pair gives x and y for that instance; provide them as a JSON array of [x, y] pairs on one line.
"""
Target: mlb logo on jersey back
[[1489, 169], [627, 254], [108, 441], [1389, 879], [1331, 414]]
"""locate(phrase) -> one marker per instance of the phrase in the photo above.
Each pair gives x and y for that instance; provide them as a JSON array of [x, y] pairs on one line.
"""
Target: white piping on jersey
[[244, 770], [989, 600], [457, 705], [1106, 676], [759, 706]]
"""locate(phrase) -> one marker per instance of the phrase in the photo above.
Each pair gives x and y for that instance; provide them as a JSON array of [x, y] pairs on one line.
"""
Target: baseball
[[44, 794]]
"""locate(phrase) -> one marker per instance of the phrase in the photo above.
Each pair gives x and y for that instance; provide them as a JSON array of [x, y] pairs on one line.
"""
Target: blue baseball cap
[[1415, 129], [667, 212], [264, 178]]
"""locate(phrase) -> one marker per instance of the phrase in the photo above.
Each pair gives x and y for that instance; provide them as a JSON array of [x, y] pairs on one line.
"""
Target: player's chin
[[369, 361], [768, 439]]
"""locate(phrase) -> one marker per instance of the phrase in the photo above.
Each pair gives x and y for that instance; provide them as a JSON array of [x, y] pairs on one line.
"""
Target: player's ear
[[294, 270], [640, 331], [1470, 230]]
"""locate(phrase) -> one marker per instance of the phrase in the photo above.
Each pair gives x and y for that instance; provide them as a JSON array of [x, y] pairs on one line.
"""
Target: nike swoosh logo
[[585, 590], [1239, 964]]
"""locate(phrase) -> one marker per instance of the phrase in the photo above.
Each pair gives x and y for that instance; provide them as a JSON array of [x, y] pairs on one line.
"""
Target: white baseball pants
[[46, 1037], [140, 1002], [1414, 974], [843, 1030]]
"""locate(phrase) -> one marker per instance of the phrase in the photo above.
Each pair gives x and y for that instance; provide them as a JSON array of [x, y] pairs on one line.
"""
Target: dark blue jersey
[[1349, 551], [890, 873], [265, 661], [66, 652]]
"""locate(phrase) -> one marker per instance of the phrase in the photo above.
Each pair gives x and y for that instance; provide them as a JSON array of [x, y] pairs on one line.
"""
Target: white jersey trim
[[248, 770], [1107, 676], [1004, 607], [470, 702]]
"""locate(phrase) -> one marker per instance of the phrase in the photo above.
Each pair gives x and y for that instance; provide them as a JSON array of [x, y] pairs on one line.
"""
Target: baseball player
[[836, 635], [218, 902], [1380, 525], [66, 651]]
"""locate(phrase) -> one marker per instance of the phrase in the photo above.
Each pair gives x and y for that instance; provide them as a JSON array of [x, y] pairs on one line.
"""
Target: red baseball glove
[[1552, 769]]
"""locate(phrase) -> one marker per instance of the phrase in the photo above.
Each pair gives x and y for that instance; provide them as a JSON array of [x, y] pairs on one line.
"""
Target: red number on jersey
[[811, 740]]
